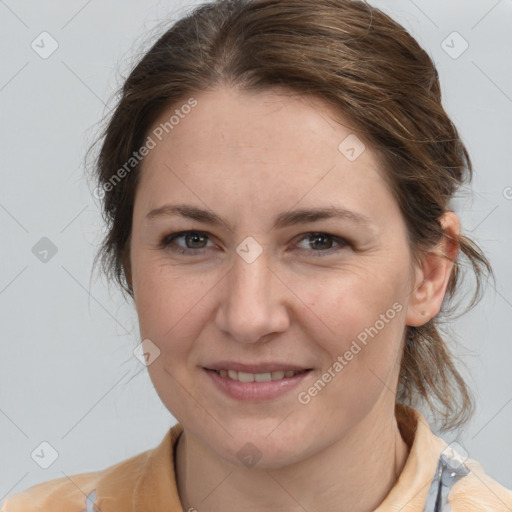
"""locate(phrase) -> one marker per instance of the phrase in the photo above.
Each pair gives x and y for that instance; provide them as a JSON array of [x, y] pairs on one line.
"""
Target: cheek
[[169, 308], [360, 369], [164, 295], [347, 304], [360, 332]]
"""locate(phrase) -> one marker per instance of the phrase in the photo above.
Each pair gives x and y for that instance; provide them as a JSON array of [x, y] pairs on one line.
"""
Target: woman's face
[[257, 290]]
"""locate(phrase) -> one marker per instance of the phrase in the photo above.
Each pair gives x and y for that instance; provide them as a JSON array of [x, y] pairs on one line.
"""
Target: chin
[[262, 454], [261, 446]]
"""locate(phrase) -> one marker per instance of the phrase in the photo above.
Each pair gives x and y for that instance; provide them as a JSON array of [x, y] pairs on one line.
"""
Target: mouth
[[258, 377], [258, 385]]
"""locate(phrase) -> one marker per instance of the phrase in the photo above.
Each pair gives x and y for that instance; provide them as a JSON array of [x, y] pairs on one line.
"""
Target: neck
[[355, 474]]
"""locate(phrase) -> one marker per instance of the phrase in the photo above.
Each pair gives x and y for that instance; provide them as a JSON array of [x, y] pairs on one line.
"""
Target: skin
[[248, 158]]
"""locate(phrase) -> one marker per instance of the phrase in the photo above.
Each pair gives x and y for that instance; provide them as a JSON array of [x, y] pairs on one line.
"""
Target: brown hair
[[371, 71]]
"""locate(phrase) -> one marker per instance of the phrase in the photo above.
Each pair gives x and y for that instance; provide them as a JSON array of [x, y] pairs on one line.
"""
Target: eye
[[325, 239], [194, 238]]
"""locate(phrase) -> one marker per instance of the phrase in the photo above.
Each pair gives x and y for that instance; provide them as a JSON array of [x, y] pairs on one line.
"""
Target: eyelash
[[167, 240]]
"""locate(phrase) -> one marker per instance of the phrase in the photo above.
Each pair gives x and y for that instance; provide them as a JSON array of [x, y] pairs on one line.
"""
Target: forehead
[[275, 121], [261, 148]]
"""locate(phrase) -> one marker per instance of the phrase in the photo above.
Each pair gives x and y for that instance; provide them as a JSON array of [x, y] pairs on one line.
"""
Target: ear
[[432, 278]]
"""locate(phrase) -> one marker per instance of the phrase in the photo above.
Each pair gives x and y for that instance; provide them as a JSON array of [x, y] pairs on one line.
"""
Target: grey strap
[[449, 470]]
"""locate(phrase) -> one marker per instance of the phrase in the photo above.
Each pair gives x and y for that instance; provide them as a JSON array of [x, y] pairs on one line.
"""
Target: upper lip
[[272, 366]]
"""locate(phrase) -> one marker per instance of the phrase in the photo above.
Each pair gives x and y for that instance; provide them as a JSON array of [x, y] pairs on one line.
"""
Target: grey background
[[68, 375]]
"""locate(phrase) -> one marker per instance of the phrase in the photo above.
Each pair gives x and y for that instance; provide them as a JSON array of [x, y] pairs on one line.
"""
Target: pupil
[[320, 237], [195, 236]]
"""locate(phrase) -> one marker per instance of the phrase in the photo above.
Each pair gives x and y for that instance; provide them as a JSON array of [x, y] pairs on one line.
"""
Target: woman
[[303, 147]]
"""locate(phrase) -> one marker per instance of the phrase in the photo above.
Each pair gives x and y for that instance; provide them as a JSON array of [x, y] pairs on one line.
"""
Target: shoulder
[[78, 492], [478, 492]]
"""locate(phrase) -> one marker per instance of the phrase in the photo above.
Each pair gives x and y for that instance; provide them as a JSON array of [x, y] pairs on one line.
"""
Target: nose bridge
[[250, 308]]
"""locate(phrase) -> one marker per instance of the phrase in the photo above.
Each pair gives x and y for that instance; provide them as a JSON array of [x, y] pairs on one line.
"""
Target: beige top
[[147, 481]]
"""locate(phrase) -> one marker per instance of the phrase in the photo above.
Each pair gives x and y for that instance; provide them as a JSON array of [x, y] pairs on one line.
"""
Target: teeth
[[262, 377], [257, 377], [246, 377]]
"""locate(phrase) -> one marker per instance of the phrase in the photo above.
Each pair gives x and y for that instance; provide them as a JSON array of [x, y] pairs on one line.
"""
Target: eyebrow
[[285, 219]]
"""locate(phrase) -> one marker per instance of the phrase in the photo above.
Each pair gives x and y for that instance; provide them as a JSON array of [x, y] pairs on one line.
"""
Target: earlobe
[[433, 277]]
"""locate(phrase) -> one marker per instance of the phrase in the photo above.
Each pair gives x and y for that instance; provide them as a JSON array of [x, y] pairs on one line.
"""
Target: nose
[[252, 302]]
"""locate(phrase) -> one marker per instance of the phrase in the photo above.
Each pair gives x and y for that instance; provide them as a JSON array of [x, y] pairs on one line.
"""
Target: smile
[[257, 377], [259, 386]]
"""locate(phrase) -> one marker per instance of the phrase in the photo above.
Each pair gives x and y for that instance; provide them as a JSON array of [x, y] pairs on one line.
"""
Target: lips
[[263, 383], [255, 381]]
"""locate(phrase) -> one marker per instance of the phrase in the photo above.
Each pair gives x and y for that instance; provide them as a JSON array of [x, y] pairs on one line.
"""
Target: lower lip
[[255, 390]]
